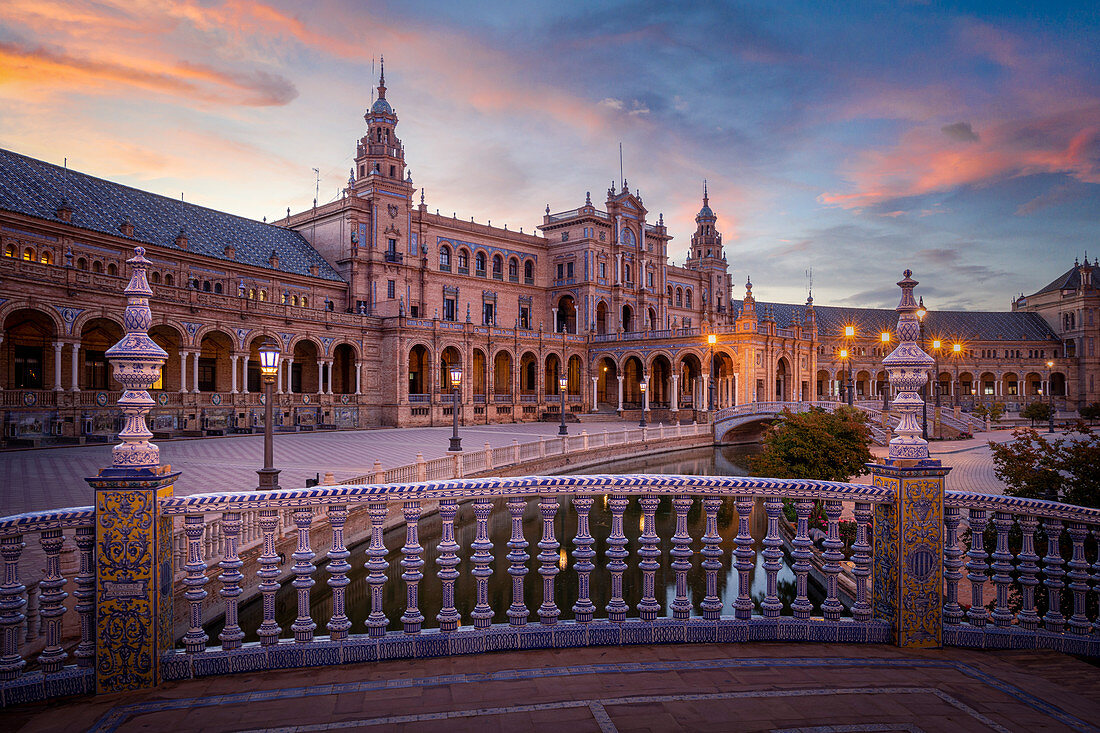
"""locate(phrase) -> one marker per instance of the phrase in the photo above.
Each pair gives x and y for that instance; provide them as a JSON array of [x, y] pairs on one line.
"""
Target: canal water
[[722, 460]]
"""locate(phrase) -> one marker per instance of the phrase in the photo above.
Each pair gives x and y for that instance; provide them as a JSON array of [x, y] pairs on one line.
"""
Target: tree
[[1090, 412], [829, 446], [994, 411], [1065, 469], [1036, 412]]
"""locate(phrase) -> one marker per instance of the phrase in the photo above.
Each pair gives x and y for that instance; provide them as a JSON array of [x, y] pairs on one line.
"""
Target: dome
[[382, 106], [705, 212]]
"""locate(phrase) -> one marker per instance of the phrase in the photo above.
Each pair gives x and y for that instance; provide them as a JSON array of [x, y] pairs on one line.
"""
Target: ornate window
[[445, 258]]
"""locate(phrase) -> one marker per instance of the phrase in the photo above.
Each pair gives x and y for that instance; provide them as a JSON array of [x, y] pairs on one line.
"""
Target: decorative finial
[[137, 361], [382, 78], [748, 284], [706, 198], [661, 219], [587, 198], [548, 209], [908, 367], [422, 198]]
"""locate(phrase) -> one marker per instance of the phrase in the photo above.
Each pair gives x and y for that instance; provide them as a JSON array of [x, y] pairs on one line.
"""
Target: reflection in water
[[726, 460]]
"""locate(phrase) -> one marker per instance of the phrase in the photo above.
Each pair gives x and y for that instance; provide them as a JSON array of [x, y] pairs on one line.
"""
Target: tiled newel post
[[908, 549], [133, 543]]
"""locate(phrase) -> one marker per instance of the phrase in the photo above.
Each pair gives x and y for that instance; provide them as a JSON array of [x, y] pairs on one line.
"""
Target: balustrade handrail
[[1020, 506], [530, 487], [67, 518]]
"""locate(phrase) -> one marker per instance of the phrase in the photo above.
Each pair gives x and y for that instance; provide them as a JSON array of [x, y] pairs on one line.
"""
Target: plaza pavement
[[47, 478], [717, 687]]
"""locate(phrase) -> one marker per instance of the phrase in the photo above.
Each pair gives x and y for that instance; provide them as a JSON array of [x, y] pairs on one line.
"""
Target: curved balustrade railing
[[1028, 576], [1021, 604]]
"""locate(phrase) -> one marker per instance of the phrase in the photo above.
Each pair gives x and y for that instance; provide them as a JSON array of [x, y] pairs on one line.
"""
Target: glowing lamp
[[849, 331], [456, 377], [712, 339], [269, 358]]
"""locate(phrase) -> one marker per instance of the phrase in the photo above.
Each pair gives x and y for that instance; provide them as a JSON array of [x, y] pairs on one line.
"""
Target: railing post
[[421, 468], [515, 450], [379, 476], [131, 590], [909, 531], [488, 456]]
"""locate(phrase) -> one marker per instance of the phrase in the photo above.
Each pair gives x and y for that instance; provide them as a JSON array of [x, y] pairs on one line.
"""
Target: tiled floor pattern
[[761, 687]]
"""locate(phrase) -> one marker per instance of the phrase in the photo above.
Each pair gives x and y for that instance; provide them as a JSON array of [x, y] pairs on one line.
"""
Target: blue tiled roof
[[36, 188], [966, 325]]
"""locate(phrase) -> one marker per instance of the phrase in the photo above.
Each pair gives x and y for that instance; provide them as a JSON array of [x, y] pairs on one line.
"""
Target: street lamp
[[563, 384], [641, 423], [848, 367], [849, 334], [885, 337], [1050, 396], [456, 381], [269, 367], [712, 340], [956, 350]]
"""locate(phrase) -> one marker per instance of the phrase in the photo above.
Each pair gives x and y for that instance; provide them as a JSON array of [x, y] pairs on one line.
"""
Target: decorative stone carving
[[908, 367], [137, 361]]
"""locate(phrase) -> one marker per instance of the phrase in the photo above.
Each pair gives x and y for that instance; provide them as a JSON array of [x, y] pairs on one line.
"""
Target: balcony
[[395, 257]]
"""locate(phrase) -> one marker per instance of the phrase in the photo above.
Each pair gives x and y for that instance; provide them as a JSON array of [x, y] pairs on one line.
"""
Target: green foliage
[[1090, 412], [1036, 412], [829, 446], [994, 411], [1064, 469]]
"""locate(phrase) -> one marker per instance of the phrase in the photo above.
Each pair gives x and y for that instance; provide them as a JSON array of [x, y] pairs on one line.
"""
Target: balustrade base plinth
[[178, 665]]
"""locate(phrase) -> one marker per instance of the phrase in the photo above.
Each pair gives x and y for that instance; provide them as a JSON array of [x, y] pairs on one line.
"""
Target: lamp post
[[885, 338], [641, 423], [1050, 396], [849, 334], [848, 368], [956, 350], [456, 381], [921, 313], [563, 384], [269, 367], [712, 340], [936, 346]]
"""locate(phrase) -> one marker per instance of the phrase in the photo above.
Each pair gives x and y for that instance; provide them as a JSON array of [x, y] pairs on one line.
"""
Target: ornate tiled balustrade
[[1028, 596]]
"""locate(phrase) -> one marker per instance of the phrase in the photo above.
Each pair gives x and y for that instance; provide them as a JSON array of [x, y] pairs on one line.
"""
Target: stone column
[[595, 393], [279, 378], [244, 380], [328, 371], [233, 372], [320, 377], [618, 268], [195, 372], [290, 375], [645, 395], [908, 558], [554, 318], [183, 372], [675, 404], [75, 366], [131, 590], [57, 347], [705, 400], [358, 377], [620, 378]]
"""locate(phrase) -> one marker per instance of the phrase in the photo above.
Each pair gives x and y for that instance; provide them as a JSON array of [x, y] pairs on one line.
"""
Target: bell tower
[[706, 256], [380, 156]]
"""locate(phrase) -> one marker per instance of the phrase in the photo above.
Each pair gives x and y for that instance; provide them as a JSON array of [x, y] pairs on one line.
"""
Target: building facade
[[373, 298]]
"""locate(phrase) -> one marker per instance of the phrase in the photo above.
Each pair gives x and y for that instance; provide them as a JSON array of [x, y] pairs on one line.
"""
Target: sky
[[842, 142]]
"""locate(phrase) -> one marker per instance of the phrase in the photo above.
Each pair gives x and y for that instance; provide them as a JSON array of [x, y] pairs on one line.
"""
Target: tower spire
[[706, 199], [382, 78]]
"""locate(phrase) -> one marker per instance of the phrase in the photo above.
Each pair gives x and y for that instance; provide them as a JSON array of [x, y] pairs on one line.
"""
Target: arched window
[[294, 300], [626, 272], [687, 298], [513, 269], [155, 278], [28, 254], [112, 269], [529, 270], [263, 295], [464, 259], [46, 257], [670, 293], [97, 266], [169, 280], [498, 266], [680, 297], [206, 288], [218, 288], [252, 293], [305, 301], [445, 258], [479, 263], [9, 251]]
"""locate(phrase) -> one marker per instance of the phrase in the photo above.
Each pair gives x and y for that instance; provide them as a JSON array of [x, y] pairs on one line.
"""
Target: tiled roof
[[36, 188], [1071, 280], [966, 325]]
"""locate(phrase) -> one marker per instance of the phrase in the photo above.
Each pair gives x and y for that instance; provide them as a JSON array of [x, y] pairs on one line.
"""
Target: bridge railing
[[1039, 591]]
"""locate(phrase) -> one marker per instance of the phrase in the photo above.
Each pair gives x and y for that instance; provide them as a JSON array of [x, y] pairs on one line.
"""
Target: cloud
[[960, 131], [939, 256]]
